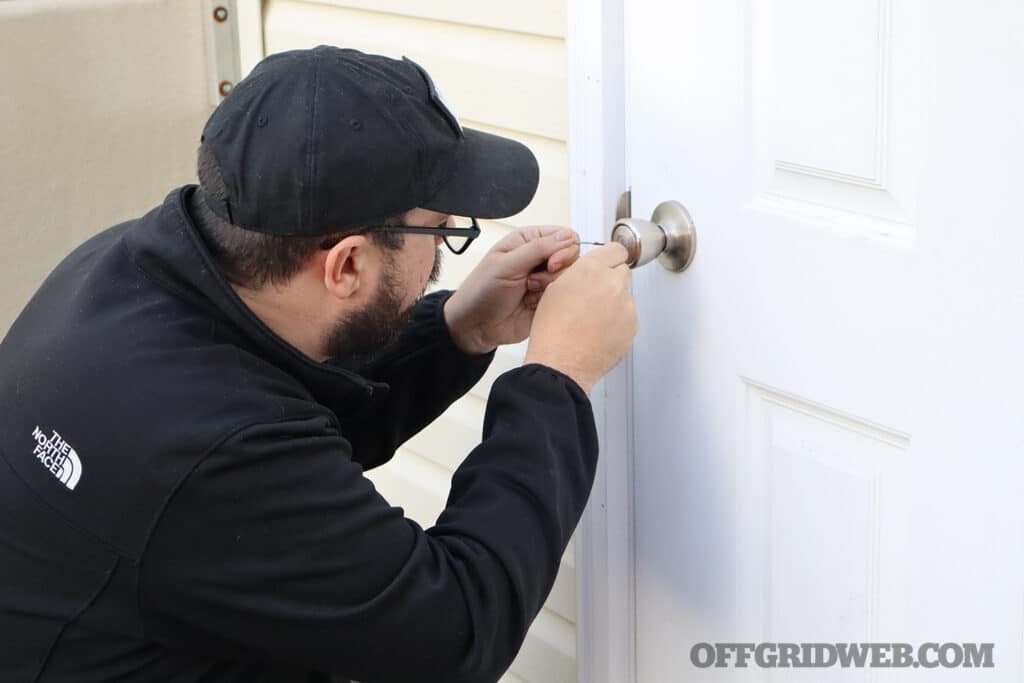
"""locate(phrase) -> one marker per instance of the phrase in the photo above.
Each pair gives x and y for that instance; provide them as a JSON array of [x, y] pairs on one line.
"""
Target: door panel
[[824, 434]]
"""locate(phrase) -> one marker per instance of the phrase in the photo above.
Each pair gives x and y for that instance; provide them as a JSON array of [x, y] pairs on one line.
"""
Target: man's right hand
[[586, 319]]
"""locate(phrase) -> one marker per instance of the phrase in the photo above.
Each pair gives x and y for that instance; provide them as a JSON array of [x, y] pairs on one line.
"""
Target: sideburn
[[361, 334]]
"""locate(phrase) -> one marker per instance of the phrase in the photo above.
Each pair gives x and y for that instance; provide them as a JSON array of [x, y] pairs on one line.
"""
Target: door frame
[[598, 175]]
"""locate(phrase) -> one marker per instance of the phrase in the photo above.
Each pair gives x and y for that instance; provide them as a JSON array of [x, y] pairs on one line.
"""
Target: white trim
[[597, 170]]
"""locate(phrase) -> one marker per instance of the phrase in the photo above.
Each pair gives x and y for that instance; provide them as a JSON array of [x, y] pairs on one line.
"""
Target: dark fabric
[[295, 138], [182, 494]]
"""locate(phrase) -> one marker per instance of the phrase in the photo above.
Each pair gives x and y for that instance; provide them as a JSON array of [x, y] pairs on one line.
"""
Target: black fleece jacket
[[182, 493]]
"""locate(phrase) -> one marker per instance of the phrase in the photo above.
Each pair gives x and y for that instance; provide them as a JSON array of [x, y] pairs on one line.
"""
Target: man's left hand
[[495, 303]]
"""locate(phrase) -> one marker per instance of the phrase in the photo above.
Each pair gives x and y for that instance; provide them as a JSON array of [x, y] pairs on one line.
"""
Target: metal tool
[[544, 266]]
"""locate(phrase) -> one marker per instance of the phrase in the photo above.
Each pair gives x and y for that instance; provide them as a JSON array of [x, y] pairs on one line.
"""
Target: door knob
[[669, 236]]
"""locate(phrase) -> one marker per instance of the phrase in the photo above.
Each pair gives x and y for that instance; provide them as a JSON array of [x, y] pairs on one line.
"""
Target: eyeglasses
[[457, 238]]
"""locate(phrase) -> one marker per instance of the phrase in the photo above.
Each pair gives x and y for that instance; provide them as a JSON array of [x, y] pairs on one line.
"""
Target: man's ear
[[347, 267]]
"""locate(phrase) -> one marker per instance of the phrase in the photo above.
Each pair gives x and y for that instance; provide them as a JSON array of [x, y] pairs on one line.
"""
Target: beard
[[361, 334]]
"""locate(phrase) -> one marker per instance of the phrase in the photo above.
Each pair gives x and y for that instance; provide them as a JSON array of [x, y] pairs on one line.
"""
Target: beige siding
[[502, 67]]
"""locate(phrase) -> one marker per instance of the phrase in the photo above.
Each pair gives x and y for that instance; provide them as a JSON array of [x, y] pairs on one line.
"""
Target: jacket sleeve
[[277, 549], [426, 372]]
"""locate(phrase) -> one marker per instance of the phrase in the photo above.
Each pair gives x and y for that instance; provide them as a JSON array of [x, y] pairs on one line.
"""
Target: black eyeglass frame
[[470, 234]]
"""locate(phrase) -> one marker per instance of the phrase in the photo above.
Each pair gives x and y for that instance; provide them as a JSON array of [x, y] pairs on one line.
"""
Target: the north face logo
[[58, 457]]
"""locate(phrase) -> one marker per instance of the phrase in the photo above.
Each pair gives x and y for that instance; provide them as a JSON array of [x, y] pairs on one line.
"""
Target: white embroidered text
[[58, 457]]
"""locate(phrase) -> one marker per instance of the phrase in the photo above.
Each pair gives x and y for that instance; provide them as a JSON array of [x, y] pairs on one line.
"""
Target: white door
[[827, 437]]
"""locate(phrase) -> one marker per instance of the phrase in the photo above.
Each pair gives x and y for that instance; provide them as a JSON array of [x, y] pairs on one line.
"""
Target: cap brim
[[496, 178]]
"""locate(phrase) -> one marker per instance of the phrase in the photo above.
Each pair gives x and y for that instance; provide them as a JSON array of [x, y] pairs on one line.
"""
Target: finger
[[563, 258], [625, 274], [612, 254], [560, 260], [518, 238], [538, 282], [535, 231], [531, 299], [525, 234], [535, 251]]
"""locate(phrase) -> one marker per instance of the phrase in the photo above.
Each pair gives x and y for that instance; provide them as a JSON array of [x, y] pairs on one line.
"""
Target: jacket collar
[[166, 244]]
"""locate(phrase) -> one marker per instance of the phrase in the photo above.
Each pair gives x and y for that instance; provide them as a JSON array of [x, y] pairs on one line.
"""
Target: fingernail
[[532, 285], [563, 235]]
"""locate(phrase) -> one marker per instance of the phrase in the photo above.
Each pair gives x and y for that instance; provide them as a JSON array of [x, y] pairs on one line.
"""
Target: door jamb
[[605, 584]]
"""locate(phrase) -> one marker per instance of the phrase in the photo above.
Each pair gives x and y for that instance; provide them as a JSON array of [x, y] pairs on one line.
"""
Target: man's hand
[[587, 320], [495, 304]]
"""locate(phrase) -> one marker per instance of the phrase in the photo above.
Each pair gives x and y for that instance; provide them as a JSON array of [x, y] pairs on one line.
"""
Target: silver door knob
[[669, 236]]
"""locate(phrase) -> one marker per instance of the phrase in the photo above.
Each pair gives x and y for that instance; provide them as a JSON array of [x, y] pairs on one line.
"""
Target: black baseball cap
[[319, 140]]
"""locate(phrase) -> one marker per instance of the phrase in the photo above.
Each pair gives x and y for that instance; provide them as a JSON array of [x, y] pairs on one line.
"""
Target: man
[[189, 401]]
